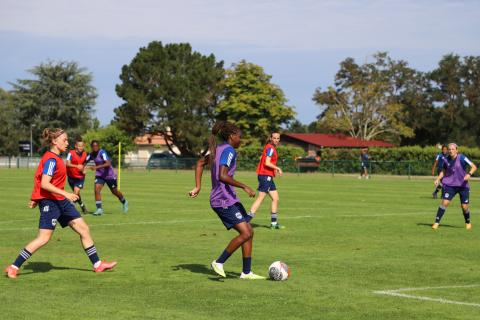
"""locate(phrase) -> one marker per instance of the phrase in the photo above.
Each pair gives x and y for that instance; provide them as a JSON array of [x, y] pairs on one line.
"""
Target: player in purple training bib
[[104, 174], [454, 177], [222, 159]]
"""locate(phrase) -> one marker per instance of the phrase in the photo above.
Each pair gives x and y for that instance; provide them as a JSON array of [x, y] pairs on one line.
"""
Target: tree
[[365, 101], [60, 95], [255, 104], [9, 126], [109, 137], [172, 91]]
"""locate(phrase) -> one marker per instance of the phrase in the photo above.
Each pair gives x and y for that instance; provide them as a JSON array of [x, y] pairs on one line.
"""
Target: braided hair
[[222, 130]]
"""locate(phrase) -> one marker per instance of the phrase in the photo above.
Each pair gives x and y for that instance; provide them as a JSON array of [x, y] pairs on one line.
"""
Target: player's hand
[[195, 191], [71, 196], [436, 182], [280, 172], [32, 204], [467, 177], [80, 167], [93, 168], [249, 191]]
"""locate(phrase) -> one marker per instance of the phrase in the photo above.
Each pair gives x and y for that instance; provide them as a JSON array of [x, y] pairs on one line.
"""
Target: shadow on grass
[[422, 224], [203, 269], [43, 267], [254, 225]]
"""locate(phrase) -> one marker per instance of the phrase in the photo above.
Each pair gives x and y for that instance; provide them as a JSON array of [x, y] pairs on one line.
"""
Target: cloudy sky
[[300, 43]]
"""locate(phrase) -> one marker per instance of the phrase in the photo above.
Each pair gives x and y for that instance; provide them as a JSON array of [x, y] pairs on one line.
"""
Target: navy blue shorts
[[266, 184], [232, 215], [53, 211], [448, 193], [111, 183], [76, 182]]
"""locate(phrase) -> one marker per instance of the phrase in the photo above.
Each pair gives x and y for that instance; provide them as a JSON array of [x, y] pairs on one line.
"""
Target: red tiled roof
[[336, 140], [149, 139]]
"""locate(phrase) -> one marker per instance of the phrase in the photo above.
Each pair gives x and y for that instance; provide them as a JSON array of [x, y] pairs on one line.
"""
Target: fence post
[[409, 170], [9, 162], [176, 165], [333, 168]]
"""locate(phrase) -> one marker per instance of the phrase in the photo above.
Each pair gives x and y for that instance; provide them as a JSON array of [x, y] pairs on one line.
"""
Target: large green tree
[[171, 90], [456, 94], [255, 104], [61, 94], [365, 102], [9, 125]]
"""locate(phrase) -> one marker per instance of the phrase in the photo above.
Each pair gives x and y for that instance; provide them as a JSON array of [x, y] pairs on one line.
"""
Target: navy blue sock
[[122, 200], [92, 254], [440, 212], [466, 215], [22, 257], [98, 204], [247, 264], [223, 257], [274, 217]]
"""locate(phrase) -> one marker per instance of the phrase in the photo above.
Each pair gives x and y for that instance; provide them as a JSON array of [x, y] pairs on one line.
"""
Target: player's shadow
[[255, 225], [42, 267], [203, 269], [422, 224]]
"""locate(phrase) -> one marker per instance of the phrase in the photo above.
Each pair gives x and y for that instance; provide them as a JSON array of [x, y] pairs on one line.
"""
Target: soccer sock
[[223, 257], [439, 187], [98, 204], [92, 255], [274, 218], [247, 264], [466, 215], [440, 212], [122, 200], [22, 257], [79, 201]]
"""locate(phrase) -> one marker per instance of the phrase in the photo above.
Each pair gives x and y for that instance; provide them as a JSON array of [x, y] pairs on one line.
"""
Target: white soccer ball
[[278, 271]]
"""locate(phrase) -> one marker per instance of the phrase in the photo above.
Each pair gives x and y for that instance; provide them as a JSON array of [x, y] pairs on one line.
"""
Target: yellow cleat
[[468, 226], [251, 276], [218, 268], [435, 226]]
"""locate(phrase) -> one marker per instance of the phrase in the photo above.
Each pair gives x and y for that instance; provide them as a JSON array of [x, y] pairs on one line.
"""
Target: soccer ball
[[278, 271]]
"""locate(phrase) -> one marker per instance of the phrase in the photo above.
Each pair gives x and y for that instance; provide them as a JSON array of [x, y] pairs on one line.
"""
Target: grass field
[[351, 244]]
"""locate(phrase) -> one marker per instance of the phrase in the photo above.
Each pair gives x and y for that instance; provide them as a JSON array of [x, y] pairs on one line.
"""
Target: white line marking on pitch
[[397, 293], [209, 220]]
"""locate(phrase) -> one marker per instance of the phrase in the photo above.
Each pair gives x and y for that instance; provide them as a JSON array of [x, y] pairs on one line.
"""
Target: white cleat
[[218, 268], [251, 276]]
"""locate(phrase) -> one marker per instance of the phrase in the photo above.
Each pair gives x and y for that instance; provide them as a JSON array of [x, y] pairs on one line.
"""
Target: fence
[[405, 168]]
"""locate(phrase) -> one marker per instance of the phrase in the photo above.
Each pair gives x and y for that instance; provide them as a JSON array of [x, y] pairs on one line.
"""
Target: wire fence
[[300, 166]]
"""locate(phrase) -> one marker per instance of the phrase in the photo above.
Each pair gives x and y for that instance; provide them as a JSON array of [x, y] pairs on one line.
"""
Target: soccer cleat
[[468, 226], [105, 266], [11, 272], [98, 212], [218, 268], [276, 226], [125, 207], [435, 226], [251, 276], [84, 209]]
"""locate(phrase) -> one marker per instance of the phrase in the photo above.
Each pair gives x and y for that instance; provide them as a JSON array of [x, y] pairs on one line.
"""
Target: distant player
[[104, 174], [223, 199], [438, 165], [76, 159], [54, 204], [455, 180], [364, 164], [266, 169]]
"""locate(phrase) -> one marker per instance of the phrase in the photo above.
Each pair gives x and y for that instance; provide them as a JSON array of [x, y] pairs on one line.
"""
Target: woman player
[[454, 178], [266, 169], [54, 204], [76, 159], [104, 174], [223, 199]]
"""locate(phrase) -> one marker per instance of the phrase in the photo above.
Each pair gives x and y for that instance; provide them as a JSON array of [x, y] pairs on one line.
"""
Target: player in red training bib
[[54, 204], [76, 159], [266, 169]]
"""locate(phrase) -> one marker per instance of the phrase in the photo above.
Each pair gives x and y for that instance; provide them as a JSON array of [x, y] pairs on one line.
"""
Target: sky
[[300, 43]]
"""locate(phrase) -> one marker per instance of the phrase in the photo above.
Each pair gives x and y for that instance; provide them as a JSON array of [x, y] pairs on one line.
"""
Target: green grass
[[345, 238]]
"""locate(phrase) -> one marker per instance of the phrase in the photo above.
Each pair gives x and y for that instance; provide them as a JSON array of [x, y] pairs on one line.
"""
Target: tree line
[[173, 90]]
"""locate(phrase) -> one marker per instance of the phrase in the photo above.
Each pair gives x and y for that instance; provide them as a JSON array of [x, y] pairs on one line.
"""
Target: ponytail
[[223, 130]]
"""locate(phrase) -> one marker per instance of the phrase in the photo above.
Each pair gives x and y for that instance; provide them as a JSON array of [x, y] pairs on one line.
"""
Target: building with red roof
[[311, 142]]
